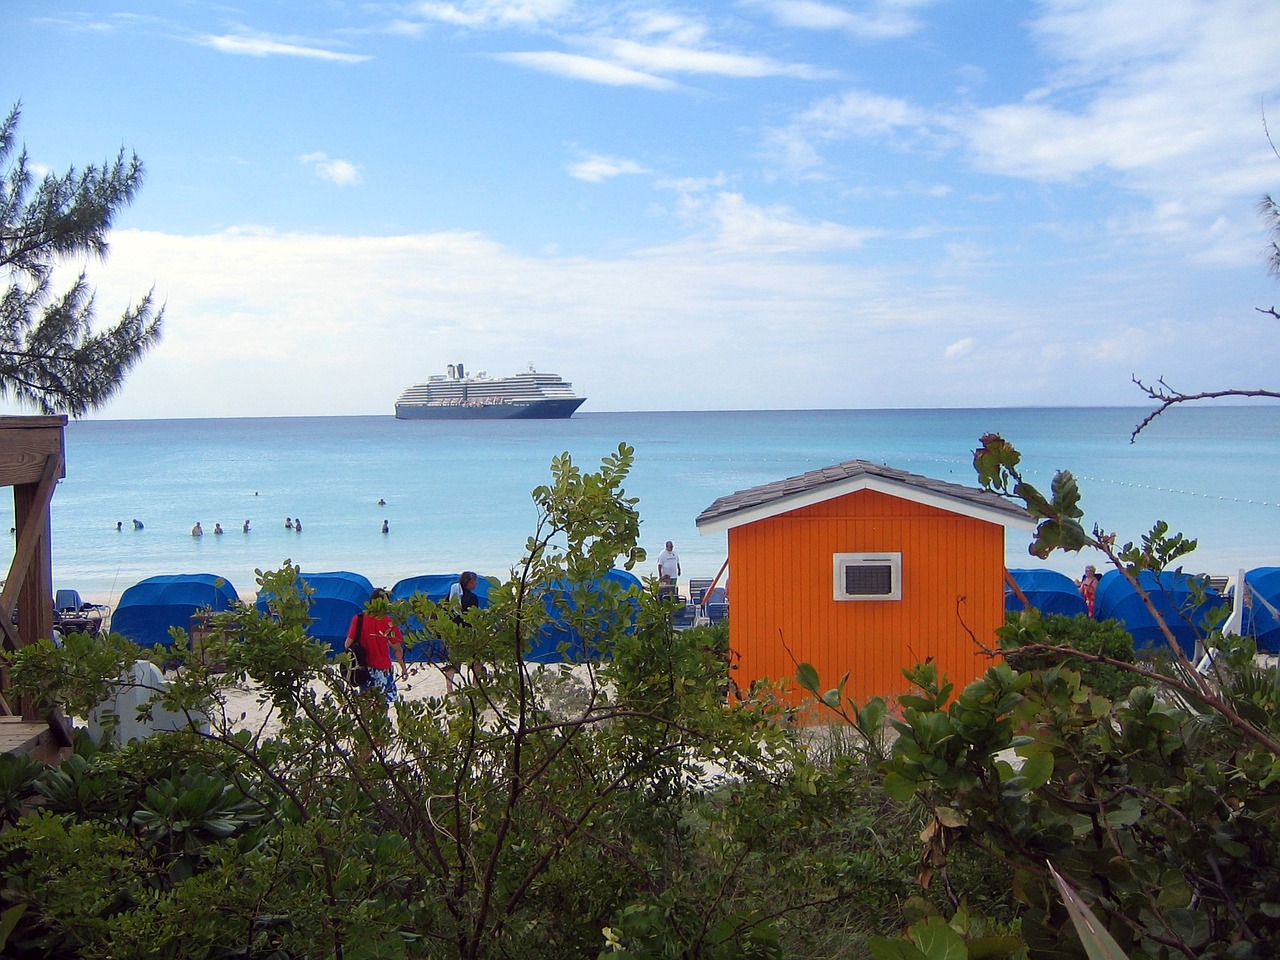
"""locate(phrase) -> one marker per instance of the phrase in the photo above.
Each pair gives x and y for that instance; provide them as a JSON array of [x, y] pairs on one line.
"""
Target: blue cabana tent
[[336, 597], [1047, 590], [150, 607], [436, 587], [1171, 594], [557, 641], [1259, 622]]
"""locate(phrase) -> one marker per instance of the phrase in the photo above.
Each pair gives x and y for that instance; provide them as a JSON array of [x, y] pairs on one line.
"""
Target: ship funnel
[[452, 372], [461, 375]]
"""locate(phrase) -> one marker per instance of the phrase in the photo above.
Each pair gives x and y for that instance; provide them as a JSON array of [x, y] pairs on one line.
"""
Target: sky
[[747, 204]]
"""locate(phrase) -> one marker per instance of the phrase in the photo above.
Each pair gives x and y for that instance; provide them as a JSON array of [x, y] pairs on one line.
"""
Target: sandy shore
[[247, 707]]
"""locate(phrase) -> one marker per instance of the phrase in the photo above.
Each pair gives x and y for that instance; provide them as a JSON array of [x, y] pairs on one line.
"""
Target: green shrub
[[522, 817], [1028, 638]]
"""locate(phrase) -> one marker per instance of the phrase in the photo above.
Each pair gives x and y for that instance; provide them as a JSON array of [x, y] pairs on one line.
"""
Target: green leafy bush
[[1034, 641], [621, 806]]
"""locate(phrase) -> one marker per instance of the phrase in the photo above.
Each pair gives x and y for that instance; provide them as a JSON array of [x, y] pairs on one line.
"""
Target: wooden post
[[35, 598]]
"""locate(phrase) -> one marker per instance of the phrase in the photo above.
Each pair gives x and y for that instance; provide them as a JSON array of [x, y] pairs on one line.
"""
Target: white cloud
[[340, 172], [675, 28], [1168, 108], [1124, 347], [759, 287], [686, 185], [404, 28], [887, 20], [965, 258], [501, 13], [257, 46], [80, 23], [596, 168], [577, 67], [618, 45], [369, 313], [860, 114], [734, 224], [1174, 94], [1165, 109], [682, 59]]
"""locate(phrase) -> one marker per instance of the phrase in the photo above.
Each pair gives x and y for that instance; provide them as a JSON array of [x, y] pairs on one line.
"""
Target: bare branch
[[1167, 397]]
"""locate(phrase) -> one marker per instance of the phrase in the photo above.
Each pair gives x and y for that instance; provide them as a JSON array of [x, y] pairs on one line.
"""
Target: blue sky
[[750, 204]]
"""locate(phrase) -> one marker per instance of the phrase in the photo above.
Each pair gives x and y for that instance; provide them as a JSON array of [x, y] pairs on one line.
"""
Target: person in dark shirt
[[462, 597]]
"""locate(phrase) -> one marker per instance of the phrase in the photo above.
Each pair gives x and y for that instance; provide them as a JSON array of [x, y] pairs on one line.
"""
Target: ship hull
[[517, 410]]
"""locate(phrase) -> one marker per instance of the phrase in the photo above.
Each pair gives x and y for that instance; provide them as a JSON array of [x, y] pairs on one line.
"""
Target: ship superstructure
[[457, 395]]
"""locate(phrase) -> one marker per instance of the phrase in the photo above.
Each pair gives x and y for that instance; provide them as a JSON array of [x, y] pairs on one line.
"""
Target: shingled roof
[[816, 486]]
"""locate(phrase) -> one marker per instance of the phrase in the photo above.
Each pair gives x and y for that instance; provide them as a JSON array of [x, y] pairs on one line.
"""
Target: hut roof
[[827, 483]]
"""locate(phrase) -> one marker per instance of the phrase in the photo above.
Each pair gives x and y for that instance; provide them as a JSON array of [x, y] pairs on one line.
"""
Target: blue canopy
[[1047, 590], [557, 640], [1171, 594], [149, 608], [1259, 622], [436, 587], [336, 598]]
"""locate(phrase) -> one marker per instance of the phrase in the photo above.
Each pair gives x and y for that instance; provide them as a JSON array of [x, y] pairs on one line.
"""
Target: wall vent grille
[[868, 576]]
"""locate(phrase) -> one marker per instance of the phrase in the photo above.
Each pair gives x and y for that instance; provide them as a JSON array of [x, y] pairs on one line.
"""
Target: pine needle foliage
[[51, 356]]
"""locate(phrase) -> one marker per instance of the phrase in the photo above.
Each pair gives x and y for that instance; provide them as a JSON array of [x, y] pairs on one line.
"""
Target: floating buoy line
[[1185, 493]]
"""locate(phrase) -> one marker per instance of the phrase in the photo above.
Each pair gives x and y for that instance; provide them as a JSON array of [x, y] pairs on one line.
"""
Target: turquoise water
[[457, 494]]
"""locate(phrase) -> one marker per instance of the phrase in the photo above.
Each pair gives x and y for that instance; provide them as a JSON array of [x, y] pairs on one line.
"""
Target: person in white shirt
[[668, 564]]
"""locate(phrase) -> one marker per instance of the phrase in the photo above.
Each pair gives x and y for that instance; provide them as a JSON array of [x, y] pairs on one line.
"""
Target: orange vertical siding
[[783, 612]]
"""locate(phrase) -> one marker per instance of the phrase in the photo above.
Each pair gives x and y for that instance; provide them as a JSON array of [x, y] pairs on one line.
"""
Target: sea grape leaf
[[898, 787], [1037, 769], [938, 941], [807, 677]]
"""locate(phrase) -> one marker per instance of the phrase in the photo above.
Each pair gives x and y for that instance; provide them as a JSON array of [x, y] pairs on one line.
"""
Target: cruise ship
[[457, 395]]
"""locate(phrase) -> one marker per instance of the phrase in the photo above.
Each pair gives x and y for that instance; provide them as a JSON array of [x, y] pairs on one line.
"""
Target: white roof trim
[[840, 488]]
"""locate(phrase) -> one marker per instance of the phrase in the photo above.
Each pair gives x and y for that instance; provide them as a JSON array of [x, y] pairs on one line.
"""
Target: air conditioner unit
[[868, 576]]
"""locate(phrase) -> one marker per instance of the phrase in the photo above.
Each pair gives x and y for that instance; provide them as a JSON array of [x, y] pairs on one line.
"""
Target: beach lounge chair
[[67, 601], [716, 605], [72, 615], [685, 616], [698, 587]]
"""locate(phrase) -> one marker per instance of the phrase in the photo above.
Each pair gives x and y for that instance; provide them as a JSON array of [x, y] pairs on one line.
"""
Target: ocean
[[457, 495]]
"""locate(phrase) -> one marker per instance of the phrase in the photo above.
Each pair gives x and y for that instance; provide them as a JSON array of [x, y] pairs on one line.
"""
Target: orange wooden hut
[[862, 569]]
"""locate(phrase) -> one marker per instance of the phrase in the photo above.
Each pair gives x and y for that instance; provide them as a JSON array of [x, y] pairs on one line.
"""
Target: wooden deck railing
[[32, 461]]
